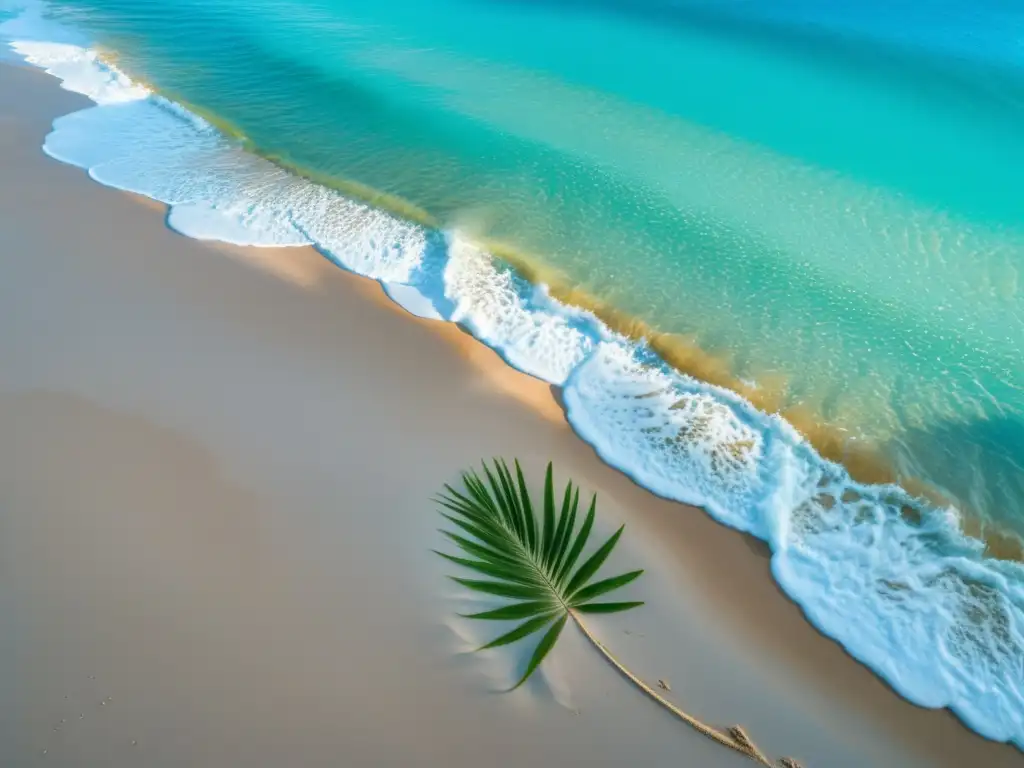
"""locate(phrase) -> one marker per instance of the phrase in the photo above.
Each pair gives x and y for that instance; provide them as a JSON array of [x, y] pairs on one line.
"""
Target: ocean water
[[814, 211]]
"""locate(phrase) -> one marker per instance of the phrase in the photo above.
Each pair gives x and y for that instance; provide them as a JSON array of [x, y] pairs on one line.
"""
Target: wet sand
[[215, 473]]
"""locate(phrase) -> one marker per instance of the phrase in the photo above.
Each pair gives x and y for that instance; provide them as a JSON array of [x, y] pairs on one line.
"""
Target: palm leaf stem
[[740, 742]]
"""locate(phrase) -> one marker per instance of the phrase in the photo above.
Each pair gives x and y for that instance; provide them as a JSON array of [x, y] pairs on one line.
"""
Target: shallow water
[[825, 201], [828, 198]]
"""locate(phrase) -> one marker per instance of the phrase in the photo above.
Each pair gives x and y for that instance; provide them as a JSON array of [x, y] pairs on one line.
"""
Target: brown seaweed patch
[[865, 463], [226, 127], [679, 351], [1001, 545], [355, 190], [825, 500], [911, 515]]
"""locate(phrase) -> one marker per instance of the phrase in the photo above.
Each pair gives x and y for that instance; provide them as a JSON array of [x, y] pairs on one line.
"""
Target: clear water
[[826, 196], [825, 199]]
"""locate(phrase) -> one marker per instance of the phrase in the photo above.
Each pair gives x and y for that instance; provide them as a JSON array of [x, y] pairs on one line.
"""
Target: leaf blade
[[501, 589], [594, 562], [525, 629], [489, 569], [514, 611], [543, 648], [578, 543], [505, 504], [529, 519], [487, 538], [547, 538], [566, 521], [478, 550], [607, 607], [603, 587]]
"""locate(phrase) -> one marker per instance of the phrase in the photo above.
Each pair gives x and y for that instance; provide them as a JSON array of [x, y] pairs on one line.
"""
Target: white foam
[[81, 71], [62, 52], [534, 333], [683, 439], [918, 602], [233, 222]]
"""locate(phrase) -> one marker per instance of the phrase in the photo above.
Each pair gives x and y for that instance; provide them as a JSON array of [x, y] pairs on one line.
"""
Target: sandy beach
[[216, 467]]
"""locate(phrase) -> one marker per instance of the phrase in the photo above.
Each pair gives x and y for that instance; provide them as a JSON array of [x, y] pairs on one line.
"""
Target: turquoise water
[[827, 196], [830, 196]]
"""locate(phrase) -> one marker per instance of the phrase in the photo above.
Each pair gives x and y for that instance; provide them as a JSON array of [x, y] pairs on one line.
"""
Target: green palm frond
[[535, 562]]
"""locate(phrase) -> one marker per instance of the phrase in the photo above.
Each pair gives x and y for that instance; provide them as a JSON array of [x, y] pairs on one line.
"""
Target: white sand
[[215, 472]]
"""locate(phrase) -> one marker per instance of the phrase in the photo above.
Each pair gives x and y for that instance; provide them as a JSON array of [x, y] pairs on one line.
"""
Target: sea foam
[[893, 580]]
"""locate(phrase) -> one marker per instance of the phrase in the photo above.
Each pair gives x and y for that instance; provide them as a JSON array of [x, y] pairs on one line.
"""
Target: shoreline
[[753, 620], [866, 462]]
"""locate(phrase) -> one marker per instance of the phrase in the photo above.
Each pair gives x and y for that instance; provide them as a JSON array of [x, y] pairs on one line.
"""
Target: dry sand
[[215, 471]]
